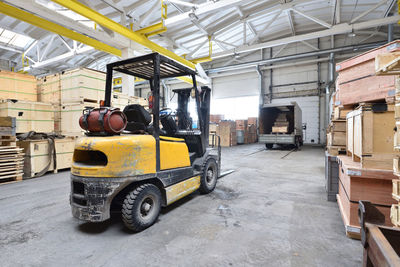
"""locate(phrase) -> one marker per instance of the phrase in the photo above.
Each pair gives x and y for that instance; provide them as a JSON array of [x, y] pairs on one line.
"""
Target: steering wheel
[[165, 112]]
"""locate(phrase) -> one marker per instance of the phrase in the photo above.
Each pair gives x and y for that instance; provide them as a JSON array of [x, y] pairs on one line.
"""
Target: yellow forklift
[[145, 167]]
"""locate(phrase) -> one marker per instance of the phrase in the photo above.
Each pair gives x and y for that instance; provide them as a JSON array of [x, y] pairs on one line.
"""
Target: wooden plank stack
[[388, 64], [281, 124], [365, 173]]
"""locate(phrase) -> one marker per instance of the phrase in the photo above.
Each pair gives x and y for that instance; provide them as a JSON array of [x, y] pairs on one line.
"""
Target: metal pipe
[[331, 75], [319, 93], [298, 56], [390, 33], [271, 73], [260, 85]]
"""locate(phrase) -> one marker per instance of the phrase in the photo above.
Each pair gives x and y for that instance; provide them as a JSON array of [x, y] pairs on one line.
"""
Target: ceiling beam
[[343, 28], [207, 7], [55, 28], [320, 22], [112, 25], [369, 11], [45, 13]]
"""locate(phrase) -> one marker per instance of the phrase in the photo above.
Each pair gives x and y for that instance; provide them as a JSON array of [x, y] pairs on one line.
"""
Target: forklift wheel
[[141, 207], [209, 178]]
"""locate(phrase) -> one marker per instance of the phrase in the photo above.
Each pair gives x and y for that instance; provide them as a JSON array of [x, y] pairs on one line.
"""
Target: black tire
[[209, 178], [269, 146], [141, 207]]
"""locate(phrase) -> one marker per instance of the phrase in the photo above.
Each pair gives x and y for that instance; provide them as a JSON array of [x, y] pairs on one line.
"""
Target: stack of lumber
[[388, 64], [366, 171], [281, 124], [11, 156], [37, 155]]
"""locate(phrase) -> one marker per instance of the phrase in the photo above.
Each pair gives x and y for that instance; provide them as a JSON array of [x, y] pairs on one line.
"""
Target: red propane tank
[[104, 119]]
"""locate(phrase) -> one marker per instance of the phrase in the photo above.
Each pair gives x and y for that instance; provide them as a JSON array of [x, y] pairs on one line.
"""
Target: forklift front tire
[[209, 177], [141, 207]]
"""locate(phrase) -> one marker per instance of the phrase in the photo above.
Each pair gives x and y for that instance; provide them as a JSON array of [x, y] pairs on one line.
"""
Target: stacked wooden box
[[11, 156], [281, 124], [246, 131], [365, 173], [226, 130], [336, 132], [388, 64], [38, 156]]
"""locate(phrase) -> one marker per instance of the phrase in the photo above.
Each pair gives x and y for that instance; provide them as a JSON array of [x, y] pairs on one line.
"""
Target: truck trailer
[[280, 124]]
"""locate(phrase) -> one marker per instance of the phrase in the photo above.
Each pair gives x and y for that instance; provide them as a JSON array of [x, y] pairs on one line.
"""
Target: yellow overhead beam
[[53, 27], [116, 27]]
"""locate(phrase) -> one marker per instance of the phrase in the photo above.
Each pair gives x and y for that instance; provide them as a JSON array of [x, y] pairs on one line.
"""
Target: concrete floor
[[270, 212]]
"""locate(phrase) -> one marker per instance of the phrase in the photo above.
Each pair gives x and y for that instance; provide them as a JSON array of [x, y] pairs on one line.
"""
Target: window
[[14, 39]]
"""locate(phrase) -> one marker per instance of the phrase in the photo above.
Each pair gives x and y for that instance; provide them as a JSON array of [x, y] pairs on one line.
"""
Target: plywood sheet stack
[[281, 124], [365, 173]]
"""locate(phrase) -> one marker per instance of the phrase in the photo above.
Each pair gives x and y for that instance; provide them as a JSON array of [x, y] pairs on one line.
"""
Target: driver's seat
[[138, 118]]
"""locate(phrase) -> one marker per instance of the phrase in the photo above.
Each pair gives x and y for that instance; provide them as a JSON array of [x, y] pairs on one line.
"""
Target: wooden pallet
[[8, 140], [11, 163]]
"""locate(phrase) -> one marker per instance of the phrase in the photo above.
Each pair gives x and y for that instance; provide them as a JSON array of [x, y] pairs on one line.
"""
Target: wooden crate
[[227, 131], [370, 136], [82, 85], [17, 86], [365, 184], [349, 213], [337, 126], [138, 100], [252, 121], [280, 129], [70, 114], [340, 113], [119, 100], [37, 155], [49, 89], [357, 81], [30, 116], [216, 118], [395, 215], [241, 125], [336, 139], [8, 126]]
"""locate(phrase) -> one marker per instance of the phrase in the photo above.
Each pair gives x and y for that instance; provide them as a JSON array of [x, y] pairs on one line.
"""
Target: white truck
[[267, 118]]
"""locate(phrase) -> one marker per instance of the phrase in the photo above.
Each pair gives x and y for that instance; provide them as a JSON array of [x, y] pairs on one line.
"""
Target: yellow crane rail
[[53, 27]]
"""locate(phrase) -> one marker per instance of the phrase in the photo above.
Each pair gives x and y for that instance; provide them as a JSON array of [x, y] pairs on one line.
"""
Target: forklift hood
[[114, 156]]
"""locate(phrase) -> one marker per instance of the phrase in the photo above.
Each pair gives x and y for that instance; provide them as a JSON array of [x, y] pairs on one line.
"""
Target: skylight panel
[[14, 39]]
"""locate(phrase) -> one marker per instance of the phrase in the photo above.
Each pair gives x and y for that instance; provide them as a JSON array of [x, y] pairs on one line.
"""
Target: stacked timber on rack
[[388, 64], [281, 124], [365, 173], [11, 156]]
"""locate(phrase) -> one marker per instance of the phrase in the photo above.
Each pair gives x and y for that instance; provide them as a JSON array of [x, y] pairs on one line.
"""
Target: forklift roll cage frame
[[154, 67]]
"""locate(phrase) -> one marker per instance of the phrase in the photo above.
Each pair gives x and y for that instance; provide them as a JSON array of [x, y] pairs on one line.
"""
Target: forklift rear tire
[[141, 207], [209, 177]]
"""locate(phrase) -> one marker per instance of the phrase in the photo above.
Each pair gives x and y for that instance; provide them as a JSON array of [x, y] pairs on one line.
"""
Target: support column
[[128, 81]]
